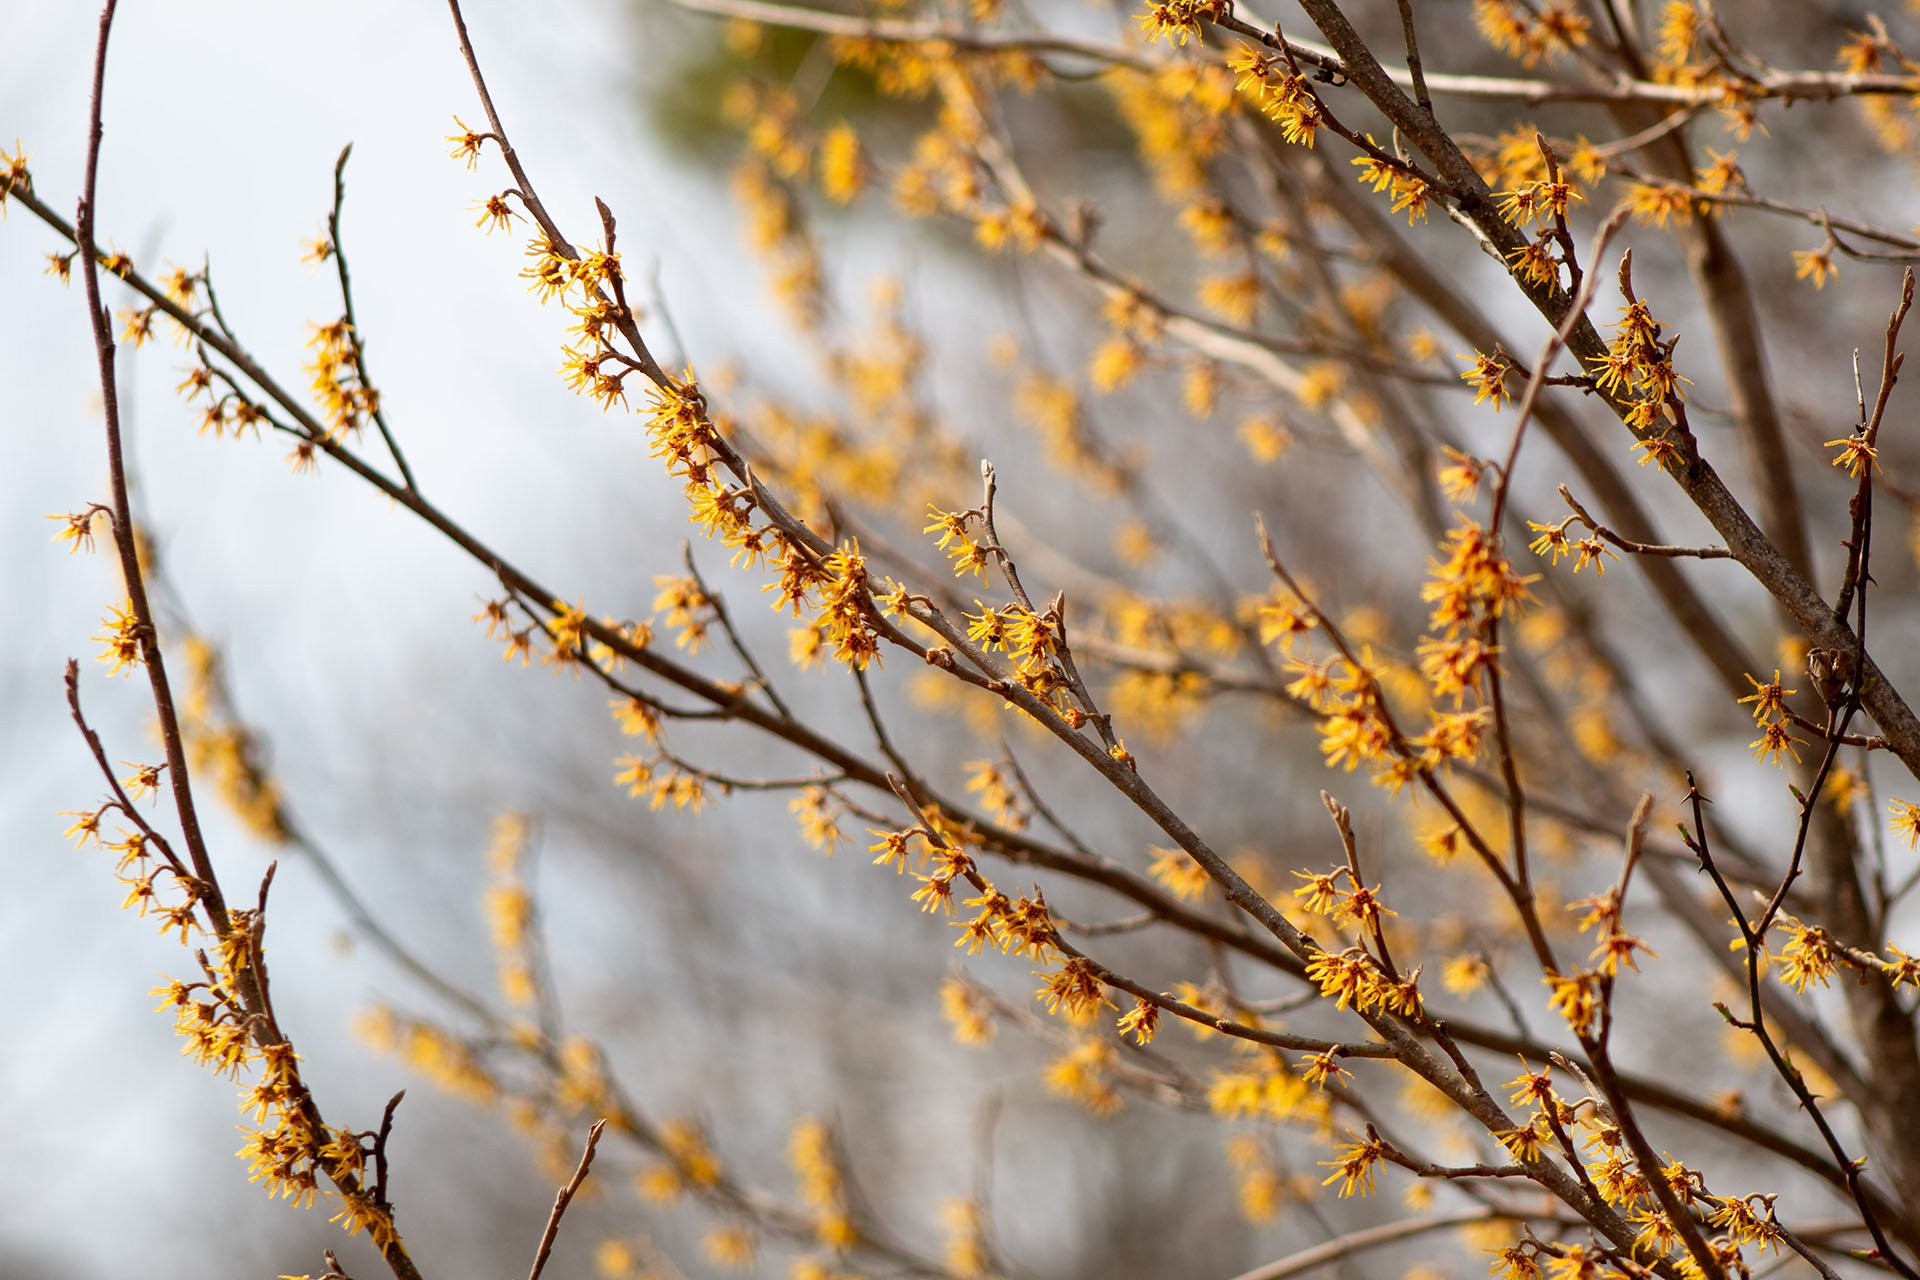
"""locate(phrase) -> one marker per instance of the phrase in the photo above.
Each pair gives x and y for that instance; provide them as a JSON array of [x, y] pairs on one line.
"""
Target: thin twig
[[353, 322], [1414, 71], [564, 1198], [1368, 1238], [1640, 548], [380, 1138]]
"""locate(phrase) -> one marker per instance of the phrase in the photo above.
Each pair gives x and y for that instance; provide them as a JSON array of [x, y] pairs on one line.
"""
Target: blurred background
[[732, 974]]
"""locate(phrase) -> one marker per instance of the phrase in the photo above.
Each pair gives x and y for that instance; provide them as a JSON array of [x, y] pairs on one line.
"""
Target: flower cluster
[[234, 409], [1532, 33], [1266, 1088], [1353, 1170], [1352, 977], [996, 793], [121, 645], [1812, 955], [1539, 203], [1553, 543], [1577, 998], [1488, 377], [288, 1147], [509, 909], [1354, 728], [1613, 946], [1278, 92], [1770, 713], [1411, 193], [1177, 19], [226, 751], [439, 1056], [1034, 643], [687, 1163], [1638, 371], [1084, 1074], [967, 1011], [822, 1185], [968, 554], [347, 399], [1324, 894], [1474, 584]]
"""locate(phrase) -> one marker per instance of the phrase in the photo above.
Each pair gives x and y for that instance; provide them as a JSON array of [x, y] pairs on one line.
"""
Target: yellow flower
[[615, 1260], [1660, 203], [1856, 455], [495, 215], [967, 1012], [1769, 700], [1141, 1021], [1114, 364], [120, 641], [1178, 19], [1236, 297], [1082, 1073], [1809, 955], [842, 164], [1906, 820], [1315, 1068], [1489, 378], [466, 143], [730, 1247], [1773, 741], [1354, 1169], [1179, 874], [1265, 440], [1072, 987], [14, 174], [1816, 265], [1575, 998]]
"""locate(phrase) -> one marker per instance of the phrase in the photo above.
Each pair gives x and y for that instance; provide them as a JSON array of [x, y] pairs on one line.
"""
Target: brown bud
[[1831, 671]]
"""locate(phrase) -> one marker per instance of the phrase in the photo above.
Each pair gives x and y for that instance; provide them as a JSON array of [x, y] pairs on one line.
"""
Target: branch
[[1640, 548], [564, 1198], [1370, 1238], [353, 322]]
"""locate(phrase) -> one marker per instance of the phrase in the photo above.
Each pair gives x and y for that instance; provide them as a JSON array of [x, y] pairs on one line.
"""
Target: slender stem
[[1414, 71], [353, 321], [563, 1198], [125, 540], [1360, 1241]]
